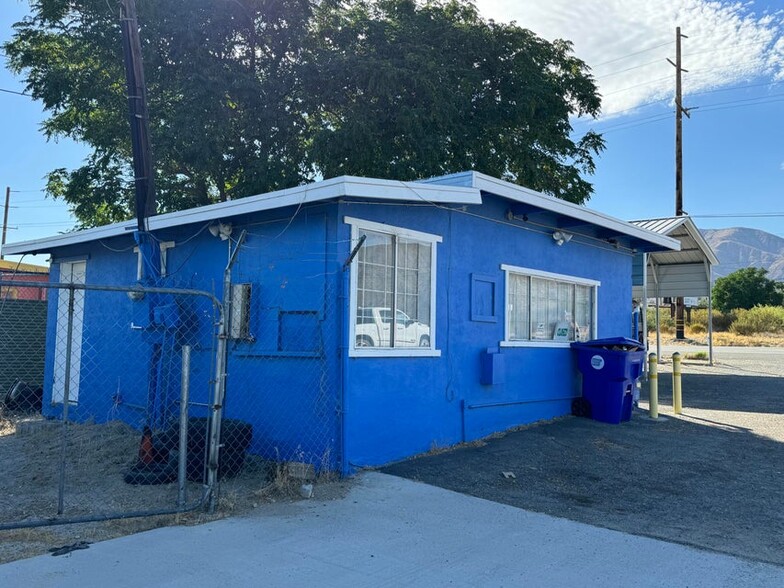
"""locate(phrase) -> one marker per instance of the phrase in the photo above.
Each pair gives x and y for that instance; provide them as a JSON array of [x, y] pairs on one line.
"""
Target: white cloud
[[728, 44]]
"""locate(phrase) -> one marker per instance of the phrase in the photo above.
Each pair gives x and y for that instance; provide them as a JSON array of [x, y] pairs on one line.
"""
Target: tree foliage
[[247, 96], [746, 288]]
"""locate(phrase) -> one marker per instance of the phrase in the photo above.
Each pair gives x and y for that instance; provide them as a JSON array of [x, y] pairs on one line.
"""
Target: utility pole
[[5, 217], [143, 170], [679, 112], [137, 114]]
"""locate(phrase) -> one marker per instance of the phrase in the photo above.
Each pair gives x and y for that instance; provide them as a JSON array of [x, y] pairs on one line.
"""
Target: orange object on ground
[[146, 449]]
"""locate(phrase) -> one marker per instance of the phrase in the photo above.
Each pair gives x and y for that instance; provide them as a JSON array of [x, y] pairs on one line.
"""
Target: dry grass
[[721, 339], [98, 456]]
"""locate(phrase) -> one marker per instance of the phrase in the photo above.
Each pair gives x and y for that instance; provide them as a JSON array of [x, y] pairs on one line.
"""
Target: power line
[[741, 215], [635, 122], [731, 106], [723, 48], [632, 54], [588, 119], [638, 85], [741, 87], [14, 92], [728, 47], [702, 110], [620, 71]]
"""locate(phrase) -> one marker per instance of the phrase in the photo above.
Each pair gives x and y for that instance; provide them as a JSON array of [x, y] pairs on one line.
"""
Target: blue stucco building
[[451, 321]]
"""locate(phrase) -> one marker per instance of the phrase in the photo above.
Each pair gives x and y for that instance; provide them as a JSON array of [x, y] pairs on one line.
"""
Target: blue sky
[[733, 143]]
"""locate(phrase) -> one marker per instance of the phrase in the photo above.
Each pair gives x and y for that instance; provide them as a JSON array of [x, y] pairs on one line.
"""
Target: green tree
[[247, 96], [405, 91], [222, 78], [746, 288]]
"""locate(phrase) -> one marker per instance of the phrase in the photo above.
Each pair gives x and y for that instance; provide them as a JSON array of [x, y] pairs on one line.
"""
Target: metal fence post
[[213, 461], [184, 399], [66, 401]]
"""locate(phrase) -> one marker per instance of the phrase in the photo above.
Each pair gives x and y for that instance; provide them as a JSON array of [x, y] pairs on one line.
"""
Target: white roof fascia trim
[[558, 206], [343, 186], [46, 243], [695, 234], [691, 229], [465, 178]]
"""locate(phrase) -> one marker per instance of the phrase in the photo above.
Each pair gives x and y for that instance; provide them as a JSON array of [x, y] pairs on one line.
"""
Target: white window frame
[[164, 247], [358, 225], [533, 273]]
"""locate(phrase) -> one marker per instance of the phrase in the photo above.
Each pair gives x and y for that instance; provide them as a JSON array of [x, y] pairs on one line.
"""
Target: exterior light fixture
[[560, 237], [222, 230]]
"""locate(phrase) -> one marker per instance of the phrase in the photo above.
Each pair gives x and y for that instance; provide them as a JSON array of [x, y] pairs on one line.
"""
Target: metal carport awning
[[675, 273]]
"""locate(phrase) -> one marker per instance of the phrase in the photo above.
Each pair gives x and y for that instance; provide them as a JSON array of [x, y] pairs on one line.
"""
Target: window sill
[[543, 343], [410, 352]]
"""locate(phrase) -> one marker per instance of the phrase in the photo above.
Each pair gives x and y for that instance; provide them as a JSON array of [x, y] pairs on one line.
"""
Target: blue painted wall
[[294, 380], [284, 381], [396, 407]]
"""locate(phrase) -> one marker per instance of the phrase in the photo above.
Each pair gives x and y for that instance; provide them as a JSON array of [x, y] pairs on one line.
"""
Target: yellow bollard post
[[653, 382], [676, 383]]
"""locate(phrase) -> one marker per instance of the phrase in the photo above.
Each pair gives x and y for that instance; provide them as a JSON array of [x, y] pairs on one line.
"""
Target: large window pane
[[375, 280], [538, 307], [583, 312], [412, 328], [394, 280], [518, 308]]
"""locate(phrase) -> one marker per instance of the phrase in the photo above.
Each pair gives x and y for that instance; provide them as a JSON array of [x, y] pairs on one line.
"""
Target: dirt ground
[[710, 478], [99, 455]]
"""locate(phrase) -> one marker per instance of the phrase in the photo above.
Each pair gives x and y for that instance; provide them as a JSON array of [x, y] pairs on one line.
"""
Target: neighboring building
[[12, 271], [22, 324], [453, 320]]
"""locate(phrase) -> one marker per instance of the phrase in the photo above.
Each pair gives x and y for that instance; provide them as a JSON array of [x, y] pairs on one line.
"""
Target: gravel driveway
[[711, 478]]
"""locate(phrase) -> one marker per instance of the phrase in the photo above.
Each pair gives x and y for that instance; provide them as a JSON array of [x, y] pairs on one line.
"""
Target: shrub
[[667, 322], [760, 319], [699, 320], [722, 321]]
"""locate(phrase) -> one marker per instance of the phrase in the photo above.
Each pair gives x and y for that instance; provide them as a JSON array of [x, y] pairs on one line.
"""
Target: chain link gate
[[120, 402], [93, 380]]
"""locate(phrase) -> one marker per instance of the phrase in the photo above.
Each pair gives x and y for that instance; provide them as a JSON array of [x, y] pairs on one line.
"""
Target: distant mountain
[[738, 247]]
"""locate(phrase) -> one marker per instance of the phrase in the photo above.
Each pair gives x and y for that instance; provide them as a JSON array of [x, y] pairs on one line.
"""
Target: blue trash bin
[[610, 369]]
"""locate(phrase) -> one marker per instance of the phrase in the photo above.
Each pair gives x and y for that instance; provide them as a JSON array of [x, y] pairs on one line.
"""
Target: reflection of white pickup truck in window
[[375, 323]]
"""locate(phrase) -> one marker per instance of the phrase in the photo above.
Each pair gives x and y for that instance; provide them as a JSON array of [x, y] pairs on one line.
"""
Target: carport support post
[[653, 383], [658, 327], [66, 402]]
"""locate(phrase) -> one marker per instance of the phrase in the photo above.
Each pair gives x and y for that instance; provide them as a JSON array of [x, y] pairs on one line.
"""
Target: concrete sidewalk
[[389, 532]]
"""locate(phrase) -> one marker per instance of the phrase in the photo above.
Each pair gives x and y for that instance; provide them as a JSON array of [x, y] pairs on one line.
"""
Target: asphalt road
[[762, 360]]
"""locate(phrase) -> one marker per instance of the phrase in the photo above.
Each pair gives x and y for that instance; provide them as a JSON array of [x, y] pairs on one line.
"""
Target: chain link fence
[[120, 402], [92, 382], [282, 377]]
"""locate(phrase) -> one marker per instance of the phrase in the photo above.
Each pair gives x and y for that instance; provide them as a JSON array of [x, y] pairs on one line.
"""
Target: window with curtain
[[548, 307], [393, 302]]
